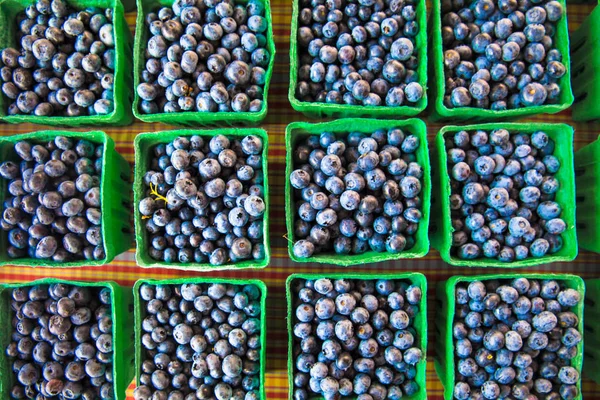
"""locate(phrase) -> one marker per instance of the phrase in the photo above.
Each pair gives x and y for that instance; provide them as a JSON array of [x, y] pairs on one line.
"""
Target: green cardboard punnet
[[591, 325], [442, 227], [143, 144], [193, 119], [115, 190], [140, 313], [445, 310], [298, 130], [122, 331], [587, 180], [420, 322], [123, 95], [585, 53], [438, 111], [322, 110]]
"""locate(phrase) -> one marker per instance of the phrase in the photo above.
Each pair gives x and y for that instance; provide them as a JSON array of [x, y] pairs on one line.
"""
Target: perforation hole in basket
[[580, 98], [576, 46], [580, 171], [589, 302], [578, 71], [588, 355]]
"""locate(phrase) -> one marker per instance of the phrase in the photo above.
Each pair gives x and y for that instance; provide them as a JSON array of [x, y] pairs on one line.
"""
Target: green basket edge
[[414, 277], [347, 111], [195, 118], [439, 111], [178, 281], [445, 289], [98, 137], [444, 235], [122, 373], [591, 359], [418, 128], [141, 256], [121, 114]]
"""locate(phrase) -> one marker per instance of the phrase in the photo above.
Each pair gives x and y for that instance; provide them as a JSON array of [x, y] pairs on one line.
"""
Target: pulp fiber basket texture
[[121, 115], [591, 326], [121, 308], [562, 135], [143, 145], [439, 111], [115, 199], [323, 110], [140, 314], [446, 307], [587, 179], [585, 52], [193, 119], [297, 131], [420, 321]]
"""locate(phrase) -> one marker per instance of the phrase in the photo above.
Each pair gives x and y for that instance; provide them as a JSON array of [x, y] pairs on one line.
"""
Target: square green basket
[[143, 144], [441, 237], [325, 110], [585, 53], [140, 314], [122, 332], [298, 130], [587, 179], [121, 114], [444, 360], [193, 119], [420, 322], [115, 189], [439, 111], [591, 327]]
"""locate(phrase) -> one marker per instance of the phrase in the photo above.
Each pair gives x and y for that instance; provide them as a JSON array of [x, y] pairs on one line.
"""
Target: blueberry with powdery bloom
[[506, 181], [232, 360], [342, 195], [58, 204], [356, 354], [530, 352], [516, 62], [193, 181]]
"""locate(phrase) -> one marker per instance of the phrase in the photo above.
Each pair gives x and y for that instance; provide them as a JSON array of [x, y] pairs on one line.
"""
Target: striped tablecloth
[[125, 271]]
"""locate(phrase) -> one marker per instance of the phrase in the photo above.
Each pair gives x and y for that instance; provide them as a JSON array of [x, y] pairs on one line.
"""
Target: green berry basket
[[140, 314], [299, 130], [444, 360], [585, 53], [324, 110], [143, 144], [420, 322], [587, 178], [591, 353], [442, 230], [194, 119], [122, 332], [438, 111], [115, 197], [121, 115]]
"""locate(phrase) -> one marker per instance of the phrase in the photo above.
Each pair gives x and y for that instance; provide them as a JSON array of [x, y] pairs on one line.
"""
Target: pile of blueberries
[[355, 338], [200, 341], [205, 200], [356, 192], [501, 54], [63, 63], [61, 344], [52, 209], [359, 52], [206, 56], [503, 195], [516, 339]]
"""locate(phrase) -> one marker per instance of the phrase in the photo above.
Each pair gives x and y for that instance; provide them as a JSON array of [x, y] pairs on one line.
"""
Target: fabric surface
[[124, 270]]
